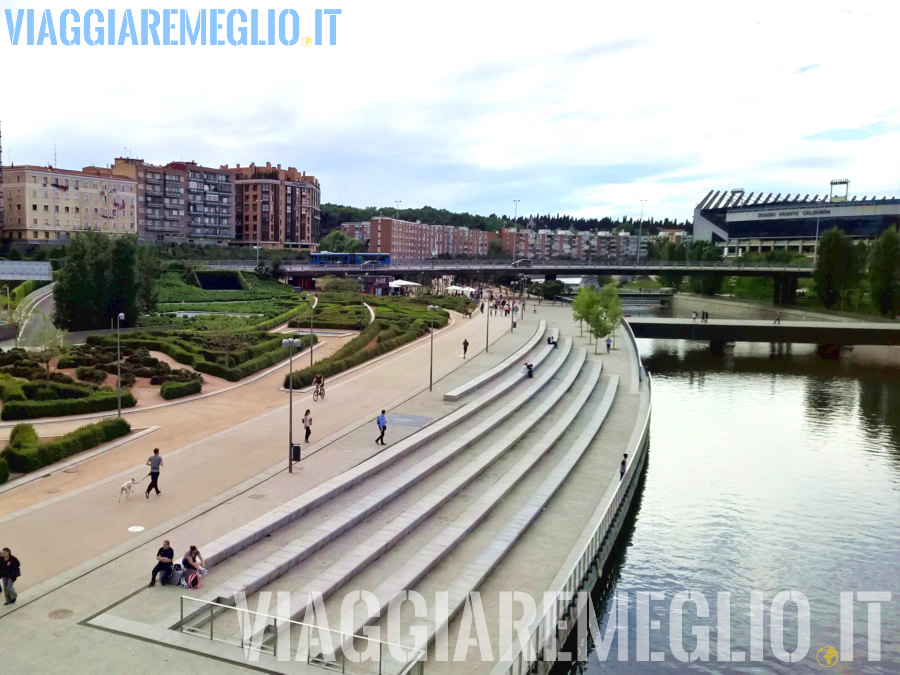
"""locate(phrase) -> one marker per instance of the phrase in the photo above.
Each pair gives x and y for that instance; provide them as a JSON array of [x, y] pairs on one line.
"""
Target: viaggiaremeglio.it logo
[[169, 27]]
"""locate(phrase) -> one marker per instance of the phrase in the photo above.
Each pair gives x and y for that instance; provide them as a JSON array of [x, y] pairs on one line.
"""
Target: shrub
[[172, 389], [25, 453], [11, 390], [4, 471], [127, 380], [221, 280], [60, 391], [89, 374], [99, 401]]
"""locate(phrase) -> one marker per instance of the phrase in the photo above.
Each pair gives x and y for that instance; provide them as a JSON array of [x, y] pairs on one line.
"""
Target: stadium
[[759, 222]]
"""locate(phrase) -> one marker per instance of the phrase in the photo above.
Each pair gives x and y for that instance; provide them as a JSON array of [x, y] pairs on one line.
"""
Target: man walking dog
[[155, 463]]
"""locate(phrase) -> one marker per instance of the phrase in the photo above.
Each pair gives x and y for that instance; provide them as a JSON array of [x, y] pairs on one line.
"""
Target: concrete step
[[364, 554], [466, 575], [279, 562], [246, 535], [495, 372], [443, 541]]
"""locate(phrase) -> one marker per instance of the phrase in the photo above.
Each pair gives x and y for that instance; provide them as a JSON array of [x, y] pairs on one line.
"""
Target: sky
[[583, 108]]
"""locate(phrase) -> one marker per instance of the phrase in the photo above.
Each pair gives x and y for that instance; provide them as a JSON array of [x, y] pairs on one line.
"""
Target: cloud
[[582, 108]]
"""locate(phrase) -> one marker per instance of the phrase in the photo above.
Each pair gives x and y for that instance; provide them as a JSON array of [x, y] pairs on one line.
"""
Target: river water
[[767, 473]]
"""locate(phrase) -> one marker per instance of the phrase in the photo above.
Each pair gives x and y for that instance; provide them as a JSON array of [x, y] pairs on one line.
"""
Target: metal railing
[[634, 345], [258, 634], [564, 609]]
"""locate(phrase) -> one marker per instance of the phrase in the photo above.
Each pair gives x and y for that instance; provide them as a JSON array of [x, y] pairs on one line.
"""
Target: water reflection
[[770, 473]]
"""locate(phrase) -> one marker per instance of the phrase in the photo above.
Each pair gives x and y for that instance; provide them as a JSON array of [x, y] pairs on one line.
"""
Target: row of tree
[[843, 267], [602, 312], [103, 277], [335, 214]]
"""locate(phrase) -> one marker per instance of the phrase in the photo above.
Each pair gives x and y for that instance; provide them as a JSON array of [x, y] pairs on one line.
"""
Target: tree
[[884, 272], [549, 289], [707, 283], [48, 340], [495, 249], [583, 305], [332, 284], [102, 277], [611, 303], [149, 271], [599, 324], [837, 268], [338, 242]]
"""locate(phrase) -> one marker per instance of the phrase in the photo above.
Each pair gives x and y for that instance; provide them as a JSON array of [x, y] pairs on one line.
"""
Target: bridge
[[20, 270], [548, 268], [827, 334]]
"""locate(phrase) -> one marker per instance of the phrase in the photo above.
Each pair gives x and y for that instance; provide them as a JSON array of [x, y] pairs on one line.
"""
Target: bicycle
[[318, 392]]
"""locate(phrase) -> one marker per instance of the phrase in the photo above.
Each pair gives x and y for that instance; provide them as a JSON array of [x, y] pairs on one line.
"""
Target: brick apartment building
[[279, 208], [181, 202], [539, 244], [45, 204], [406, 240]]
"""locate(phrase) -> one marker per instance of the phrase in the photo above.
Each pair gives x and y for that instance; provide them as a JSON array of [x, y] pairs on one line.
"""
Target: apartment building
[[45, 204], [275, 207], [182, 202], [406, 240], [541, 244]]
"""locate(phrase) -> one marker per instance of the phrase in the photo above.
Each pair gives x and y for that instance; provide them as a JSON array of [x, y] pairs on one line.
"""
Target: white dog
[[126, 489]]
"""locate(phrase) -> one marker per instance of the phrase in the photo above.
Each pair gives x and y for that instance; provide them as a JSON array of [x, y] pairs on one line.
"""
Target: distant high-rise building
[[275, 207], [45, 204], [570, 244], [182, 202]]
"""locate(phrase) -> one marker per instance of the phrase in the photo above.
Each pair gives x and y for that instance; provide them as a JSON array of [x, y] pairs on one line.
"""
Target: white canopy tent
[[399, 283]]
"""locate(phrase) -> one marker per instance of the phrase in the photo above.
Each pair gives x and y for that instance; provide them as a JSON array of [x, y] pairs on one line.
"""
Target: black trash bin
[[295, 453]]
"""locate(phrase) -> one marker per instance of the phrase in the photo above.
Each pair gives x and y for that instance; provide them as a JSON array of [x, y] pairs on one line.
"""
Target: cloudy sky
[[577, 107]]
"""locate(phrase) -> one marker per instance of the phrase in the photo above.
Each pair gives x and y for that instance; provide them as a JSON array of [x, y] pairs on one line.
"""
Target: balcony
[[174, 192], [154, 191], [163, 228], [172, 178], [154, 178], [155, 216]]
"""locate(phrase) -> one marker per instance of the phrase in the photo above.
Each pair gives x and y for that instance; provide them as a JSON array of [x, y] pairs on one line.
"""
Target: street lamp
[[487, 331], [431, 310], [311, 310], [640, 232], [397, 203], [515, 218], [291, 342], [119, 319]]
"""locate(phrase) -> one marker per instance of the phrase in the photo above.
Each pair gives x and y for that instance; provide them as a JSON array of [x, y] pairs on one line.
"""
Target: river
[[767, 473]]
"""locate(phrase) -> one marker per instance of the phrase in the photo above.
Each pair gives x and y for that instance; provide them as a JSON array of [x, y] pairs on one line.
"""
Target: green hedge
[[170, 390], [23, 290], [10, 389], [23, 435], [90, 374], [4, 471], [60, 391], [24, 453], [99, 401]]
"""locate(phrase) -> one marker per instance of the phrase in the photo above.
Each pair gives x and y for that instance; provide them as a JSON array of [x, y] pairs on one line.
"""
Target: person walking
[[307, 425], [10, 570], [382, 427], [694, 317], [622, 466], [465, 347], [608, 344], [777, 317], [155, 462], [164, 557]]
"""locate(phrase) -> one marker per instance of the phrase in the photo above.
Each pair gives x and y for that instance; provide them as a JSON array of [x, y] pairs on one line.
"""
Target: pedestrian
[[695, 316], [608, 344], [622, 466], [777, 317], [155, 462], [382, 427], [307, 425], [164, 557], [10, 570], [528, 369], [465, 347], [193, 561], [534, 309], [482, 308]]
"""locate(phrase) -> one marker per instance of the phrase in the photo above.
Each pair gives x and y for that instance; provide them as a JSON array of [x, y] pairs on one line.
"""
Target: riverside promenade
[[499, 490]]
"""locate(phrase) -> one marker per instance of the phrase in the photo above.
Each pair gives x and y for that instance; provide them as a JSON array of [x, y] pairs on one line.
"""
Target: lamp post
[[815, 246], [431, 310], [397, 203], [311, 310], [290, 342], [515, 218], [119, 319], [640, 232], [487, 328]]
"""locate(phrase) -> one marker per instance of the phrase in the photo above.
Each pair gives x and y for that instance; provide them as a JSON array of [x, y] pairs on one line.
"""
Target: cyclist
[[319, 383]]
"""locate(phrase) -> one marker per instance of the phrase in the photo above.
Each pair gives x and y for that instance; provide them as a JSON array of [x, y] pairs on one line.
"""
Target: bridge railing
[[634, 345], [559, 265]]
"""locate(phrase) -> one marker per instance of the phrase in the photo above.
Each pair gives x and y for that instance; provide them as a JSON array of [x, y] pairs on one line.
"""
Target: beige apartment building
[[45, 204]]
